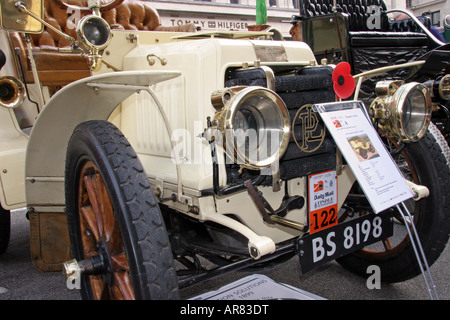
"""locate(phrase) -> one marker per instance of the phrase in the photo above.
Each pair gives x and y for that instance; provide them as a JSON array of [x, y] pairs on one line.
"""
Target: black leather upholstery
[[386, 39], [359, 11]]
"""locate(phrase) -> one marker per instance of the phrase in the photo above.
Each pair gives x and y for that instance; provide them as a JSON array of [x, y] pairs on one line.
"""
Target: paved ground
[[19, 280]]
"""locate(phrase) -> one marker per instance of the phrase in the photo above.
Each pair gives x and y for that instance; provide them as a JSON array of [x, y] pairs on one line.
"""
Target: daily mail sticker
[[322, 200]]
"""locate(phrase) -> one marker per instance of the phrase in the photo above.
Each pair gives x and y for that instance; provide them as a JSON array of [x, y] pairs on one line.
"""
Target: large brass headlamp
[[254, 122], [94, 35], [402, 110]]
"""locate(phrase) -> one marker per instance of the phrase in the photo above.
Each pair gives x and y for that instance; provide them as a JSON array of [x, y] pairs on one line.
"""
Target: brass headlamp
[[402, 110], [254, 124], [12, 92], [94, 35]]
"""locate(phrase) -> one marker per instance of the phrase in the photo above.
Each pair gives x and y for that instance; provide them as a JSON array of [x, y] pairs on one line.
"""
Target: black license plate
[[334, 242]]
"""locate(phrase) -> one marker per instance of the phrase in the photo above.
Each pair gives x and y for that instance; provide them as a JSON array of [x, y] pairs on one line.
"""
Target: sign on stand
[[376, 172]]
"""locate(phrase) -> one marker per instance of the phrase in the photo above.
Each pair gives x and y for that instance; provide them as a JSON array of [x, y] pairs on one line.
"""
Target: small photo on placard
[[363, 147]]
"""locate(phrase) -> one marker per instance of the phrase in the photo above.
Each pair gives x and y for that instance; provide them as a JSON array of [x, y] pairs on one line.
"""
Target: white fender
[[78, 102]]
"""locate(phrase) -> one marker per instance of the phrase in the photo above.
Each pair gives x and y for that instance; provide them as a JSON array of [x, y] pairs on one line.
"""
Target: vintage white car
[[141, 151]]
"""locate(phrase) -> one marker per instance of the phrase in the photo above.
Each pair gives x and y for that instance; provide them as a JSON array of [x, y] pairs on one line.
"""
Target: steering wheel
[[103, 6]]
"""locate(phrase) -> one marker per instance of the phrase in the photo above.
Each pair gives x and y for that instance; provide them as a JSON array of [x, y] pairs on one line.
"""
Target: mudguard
[[83, 100]]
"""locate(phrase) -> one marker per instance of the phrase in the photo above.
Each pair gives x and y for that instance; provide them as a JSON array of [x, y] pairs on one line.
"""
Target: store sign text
[[210, 24]]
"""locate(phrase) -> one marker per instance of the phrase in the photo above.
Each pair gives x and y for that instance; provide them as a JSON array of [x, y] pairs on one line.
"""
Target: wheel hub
[[99, 264], [105, 265]]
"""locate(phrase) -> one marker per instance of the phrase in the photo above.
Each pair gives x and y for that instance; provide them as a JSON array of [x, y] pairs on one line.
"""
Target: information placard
[[257, 287], [378, 175]]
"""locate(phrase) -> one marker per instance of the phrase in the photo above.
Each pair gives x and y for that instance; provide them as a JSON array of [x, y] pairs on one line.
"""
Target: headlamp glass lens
[[257, 127], [246, 126], [96, 32], [414, 115], [259, 124]]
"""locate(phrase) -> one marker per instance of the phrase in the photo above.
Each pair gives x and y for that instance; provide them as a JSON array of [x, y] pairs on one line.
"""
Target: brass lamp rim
[[225, 118]]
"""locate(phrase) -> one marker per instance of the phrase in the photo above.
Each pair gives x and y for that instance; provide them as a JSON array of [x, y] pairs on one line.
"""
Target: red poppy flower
[[343, 82]]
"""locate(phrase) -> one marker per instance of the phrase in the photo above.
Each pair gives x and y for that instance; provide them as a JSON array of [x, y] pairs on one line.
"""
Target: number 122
[[323, 219]]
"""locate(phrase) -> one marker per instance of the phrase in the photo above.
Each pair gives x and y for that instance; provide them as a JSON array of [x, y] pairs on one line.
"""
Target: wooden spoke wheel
[[101, 238], [115, 225]]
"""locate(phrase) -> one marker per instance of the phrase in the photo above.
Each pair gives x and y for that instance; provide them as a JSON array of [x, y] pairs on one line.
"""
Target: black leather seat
[[360, 32], [359, 12]]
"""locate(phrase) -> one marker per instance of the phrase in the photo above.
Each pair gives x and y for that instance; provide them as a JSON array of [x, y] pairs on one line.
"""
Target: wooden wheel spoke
[[101, 205], [91, 220], [120, 262], [90, 182], [109, 220], [99, 289], [123, 286], [116, 244], [387, 244]]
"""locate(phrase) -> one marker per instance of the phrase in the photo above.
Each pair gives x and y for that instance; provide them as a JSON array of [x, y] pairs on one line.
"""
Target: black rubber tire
[[142, 228], [432, 219], [5, 229]]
